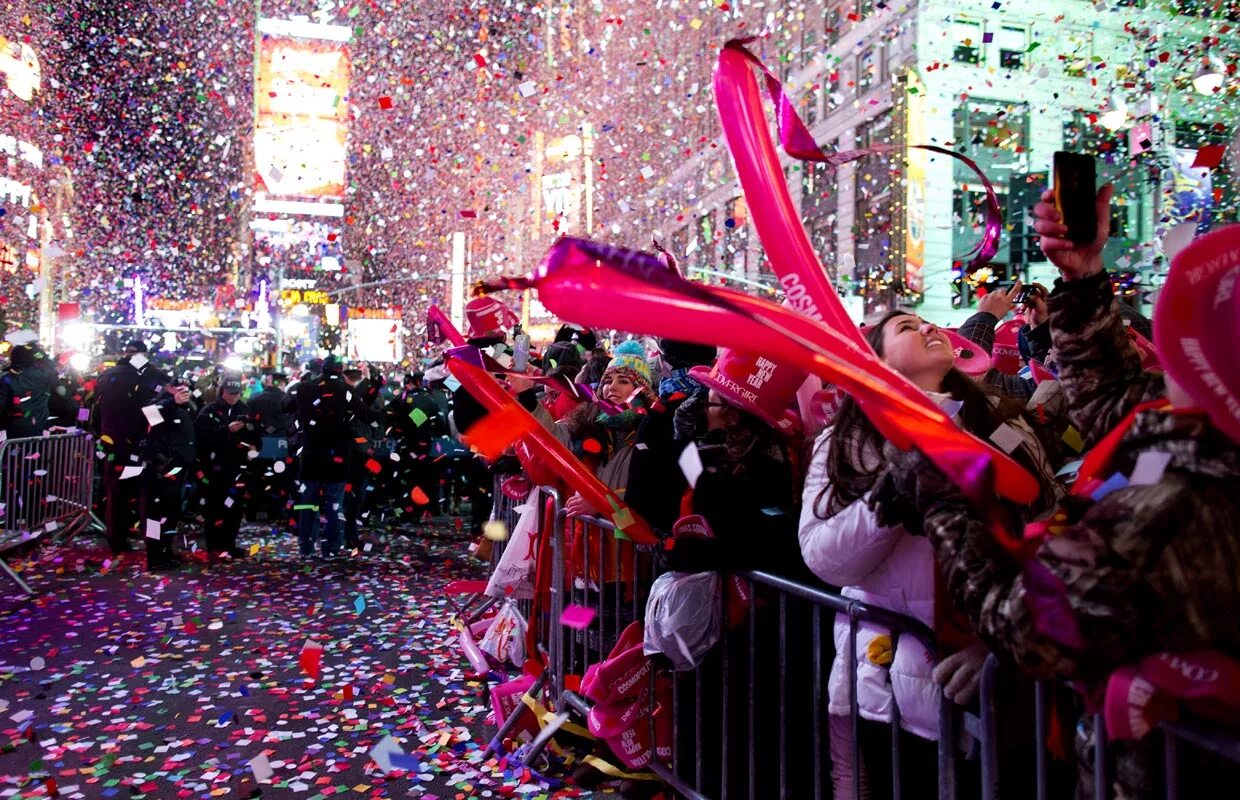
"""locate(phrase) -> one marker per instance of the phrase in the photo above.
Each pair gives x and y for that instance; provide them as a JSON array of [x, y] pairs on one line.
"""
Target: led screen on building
[[301, 127]]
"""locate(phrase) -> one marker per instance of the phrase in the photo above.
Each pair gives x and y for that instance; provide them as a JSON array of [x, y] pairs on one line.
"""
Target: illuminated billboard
[[301, 124], [19, 65], [379, 340]]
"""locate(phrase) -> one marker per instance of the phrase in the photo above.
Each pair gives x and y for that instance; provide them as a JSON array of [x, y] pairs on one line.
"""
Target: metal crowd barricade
[[760, 712], [503, 509], [609, 575], [763, 678], [46, 489]]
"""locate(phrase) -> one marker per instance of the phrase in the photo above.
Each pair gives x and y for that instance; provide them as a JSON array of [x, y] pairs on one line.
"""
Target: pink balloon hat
[[971, 359], [755, 384], [1197, 325]]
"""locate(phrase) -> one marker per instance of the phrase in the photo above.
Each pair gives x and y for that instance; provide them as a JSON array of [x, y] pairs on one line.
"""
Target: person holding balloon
[[888, 565], [1140, 566]]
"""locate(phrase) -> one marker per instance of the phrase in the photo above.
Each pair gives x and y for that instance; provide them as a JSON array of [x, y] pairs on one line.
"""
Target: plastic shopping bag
[[505, 639], [683, 617], [513, 576]]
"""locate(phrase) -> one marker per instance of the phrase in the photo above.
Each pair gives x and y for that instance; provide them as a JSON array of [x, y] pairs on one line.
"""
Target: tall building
[[35, 186], [1146, 87]]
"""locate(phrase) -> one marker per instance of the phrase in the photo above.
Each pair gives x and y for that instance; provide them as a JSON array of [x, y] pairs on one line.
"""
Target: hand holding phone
[[1074, 259], [521, 352]]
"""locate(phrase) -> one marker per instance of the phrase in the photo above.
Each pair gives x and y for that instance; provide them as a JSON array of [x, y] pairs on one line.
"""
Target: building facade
[[1006, 88]]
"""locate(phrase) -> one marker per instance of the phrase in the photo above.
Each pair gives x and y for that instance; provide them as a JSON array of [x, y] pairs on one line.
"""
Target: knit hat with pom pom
[[629, 359]]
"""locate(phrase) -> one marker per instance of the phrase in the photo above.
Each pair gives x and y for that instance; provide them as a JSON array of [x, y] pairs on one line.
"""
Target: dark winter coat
[[325, 410], [269, 412], [368, 418], [1143, 569], [121, 394], [220, 449], [980, 329], [171, 443], [24, 397]]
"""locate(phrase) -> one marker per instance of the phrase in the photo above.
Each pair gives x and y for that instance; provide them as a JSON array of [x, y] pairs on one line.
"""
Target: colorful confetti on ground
[[197, 683]]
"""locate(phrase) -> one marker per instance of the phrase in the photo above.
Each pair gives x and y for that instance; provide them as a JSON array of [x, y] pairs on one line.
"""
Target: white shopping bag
[[514, 574]]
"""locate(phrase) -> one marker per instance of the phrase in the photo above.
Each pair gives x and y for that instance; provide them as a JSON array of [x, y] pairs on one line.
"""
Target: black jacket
[[24, 397], [219, 448], [171, 443], [121, 394], [325, 411], [270, 415]]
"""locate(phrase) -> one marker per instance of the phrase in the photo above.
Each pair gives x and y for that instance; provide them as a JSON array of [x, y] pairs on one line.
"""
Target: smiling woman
[[844, 544]]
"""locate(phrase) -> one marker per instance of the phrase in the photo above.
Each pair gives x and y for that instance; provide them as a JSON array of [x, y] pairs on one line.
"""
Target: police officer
[[170, 455], [121, 394], [271, 481], [226, 435]]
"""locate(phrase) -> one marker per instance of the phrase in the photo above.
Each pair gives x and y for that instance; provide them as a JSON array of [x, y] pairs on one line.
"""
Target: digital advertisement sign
[[301, 124]]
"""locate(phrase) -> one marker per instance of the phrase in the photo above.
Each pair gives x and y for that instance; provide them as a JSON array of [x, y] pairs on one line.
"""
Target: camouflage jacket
[[1143, 569]]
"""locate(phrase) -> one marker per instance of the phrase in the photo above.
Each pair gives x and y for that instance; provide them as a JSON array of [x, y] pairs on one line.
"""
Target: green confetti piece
[[418, 416]]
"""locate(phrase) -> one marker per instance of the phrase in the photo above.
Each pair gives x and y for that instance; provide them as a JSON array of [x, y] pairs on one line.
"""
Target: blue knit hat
[[630, 358]]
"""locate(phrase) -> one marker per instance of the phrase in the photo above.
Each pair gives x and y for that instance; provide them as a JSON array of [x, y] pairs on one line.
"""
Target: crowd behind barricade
[[1123, 583], [194, 450]]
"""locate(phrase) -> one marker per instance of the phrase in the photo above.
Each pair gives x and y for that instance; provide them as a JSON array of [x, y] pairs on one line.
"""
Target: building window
[[1013, 41], [1079, 52], [867, 69], [809, 42], [967, 35], [969, 218], [875, 179], [835, 97], [833, 23], [819, 210]]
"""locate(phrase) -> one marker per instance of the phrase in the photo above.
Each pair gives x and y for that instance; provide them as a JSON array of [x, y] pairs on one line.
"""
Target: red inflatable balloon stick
[[554, 455]]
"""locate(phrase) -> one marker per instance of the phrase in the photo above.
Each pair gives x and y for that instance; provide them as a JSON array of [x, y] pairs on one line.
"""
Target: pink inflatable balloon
[[477, 659], [585, 282], [770, 206], [436, 320]]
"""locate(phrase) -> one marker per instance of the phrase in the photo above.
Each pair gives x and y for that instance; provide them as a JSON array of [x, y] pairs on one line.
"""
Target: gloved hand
[[917, 477], [892, 506], [960, 674]]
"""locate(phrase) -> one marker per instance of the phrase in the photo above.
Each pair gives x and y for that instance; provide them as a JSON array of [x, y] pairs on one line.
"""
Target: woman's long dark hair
[[854, 451]]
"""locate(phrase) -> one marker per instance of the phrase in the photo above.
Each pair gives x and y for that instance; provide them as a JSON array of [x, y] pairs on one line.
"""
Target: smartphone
[[1075, 191], [521, 352], [1022, 296]]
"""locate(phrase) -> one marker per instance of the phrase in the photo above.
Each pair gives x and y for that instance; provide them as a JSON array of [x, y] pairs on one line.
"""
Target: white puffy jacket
[[884, 567]]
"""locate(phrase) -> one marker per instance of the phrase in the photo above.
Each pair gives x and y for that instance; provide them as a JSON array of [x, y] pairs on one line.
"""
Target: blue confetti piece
[[223, 720], [359, 604], [1113, 483], [404, 761]]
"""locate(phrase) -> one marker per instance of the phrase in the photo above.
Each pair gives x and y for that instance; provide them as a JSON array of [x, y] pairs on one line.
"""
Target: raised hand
[[1075, 261]]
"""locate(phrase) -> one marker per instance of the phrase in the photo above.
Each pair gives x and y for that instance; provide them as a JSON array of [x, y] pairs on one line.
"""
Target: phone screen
[[521, 353]]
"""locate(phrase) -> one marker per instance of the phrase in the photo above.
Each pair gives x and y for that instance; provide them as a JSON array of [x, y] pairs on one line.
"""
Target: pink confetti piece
[[578, 617]]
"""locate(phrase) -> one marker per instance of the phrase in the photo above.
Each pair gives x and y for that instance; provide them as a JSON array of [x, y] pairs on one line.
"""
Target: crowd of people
[[213, 445], [1132, 543]]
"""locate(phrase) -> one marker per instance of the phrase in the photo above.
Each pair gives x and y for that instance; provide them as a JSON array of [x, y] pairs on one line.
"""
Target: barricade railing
[[46, 489], [752, 719], [503, 509]]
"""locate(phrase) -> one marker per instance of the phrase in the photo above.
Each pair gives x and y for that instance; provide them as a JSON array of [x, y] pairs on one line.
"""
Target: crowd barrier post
[[47, 488]]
